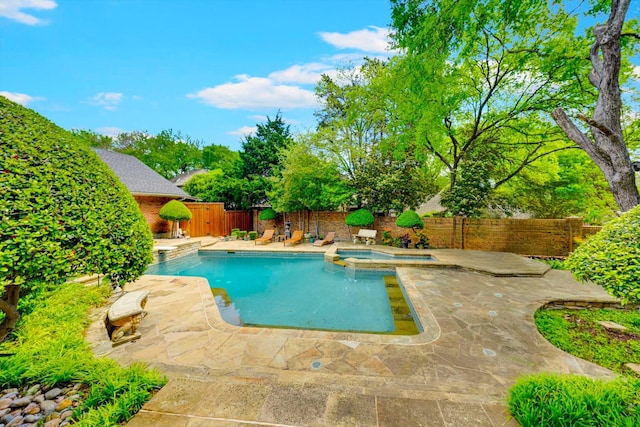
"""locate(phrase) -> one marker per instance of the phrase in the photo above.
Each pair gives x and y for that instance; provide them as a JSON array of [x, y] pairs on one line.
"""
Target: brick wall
[[150, 207], [543, 237]]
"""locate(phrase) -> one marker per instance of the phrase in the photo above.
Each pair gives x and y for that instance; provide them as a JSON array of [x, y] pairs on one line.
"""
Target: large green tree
[[307, 180], [169, 153], [603, 139], [260, 156], [63, 213], [353, 131], [477, 79]]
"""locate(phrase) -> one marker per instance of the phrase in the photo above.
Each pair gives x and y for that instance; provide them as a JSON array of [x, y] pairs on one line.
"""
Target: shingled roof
[[139, 178]]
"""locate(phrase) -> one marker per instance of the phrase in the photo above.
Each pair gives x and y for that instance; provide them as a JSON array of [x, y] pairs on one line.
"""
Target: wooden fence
[[210, 219]]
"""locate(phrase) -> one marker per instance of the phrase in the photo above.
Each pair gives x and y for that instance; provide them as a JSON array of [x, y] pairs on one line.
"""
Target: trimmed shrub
[[63, 212], [360, 218], [267, 214], [610, 258], [410, 219], [253, 235], [557, 400], [175, 211]]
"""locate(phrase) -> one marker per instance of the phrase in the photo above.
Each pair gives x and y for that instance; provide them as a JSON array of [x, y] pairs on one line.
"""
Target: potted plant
[[409, 219]]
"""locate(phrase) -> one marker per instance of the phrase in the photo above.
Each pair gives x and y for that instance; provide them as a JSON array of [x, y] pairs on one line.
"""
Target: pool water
[[294, 291], [369, 254]]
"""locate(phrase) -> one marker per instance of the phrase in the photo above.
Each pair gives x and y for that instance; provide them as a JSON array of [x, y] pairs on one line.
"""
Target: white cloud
[[20, 98], [259, 118], [636, 72], [303, 74], [372, 39], [244, 131], [113, 132], [11, 9], [255, 92], [108, 100]]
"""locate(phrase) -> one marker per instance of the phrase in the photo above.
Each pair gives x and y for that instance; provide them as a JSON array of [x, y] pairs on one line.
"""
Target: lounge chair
[[295, 238], [326, 241], [267, 237]]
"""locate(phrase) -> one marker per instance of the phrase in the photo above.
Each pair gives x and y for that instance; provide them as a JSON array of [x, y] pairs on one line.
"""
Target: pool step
[[340, 263], [402, 317]]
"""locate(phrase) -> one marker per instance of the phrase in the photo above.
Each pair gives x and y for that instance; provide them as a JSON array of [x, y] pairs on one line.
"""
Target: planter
[[405, 245]]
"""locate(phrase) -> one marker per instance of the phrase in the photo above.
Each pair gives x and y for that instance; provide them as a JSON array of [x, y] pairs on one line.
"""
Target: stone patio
[[479, 336]]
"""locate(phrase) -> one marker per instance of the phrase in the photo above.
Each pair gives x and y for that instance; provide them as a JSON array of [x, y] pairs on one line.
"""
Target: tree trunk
[[606, 147], [9, 305]]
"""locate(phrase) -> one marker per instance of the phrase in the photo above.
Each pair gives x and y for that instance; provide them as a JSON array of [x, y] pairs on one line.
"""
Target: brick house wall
[[150, 207]]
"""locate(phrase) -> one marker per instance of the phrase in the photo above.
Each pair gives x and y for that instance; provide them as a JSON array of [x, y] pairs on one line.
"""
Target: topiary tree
[[409, 219], [611, 258], [267, 214], [360, 218], [175, 211], [63, 213]]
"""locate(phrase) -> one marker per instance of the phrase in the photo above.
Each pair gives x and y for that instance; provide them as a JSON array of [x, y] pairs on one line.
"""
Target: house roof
[[183, 178], [139, 178]]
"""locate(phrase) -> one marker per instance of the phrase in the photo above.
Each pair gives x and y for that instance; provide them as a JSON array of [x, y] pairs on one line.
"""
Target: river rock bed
[[38, 405]]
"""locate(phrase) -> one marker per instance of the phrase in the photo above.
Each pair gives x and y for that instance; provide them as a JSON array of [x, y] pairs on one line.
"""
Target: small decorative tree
[[409, 219], [267, 214], [175, 211], [359, 218], [611, 258]]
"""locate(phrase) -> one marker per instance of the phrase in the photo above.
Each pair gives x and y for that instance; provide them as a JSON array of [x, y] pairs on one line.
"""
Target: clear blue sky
[[211, 69]]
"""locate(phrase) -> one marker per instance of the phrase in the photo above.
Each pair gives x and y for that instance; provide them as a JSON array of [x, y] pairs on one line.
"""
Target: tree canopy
[[64, 213]]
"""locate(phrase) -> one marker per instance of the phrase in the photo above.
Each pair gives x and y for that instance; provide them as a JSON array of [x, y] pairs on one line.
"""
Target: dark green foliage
[[175, 210], [563, 400], [50, 349], [63, 211], [267, 214], [423, 241], [252, 235], [611, 258], [360, 218], [410, 219]]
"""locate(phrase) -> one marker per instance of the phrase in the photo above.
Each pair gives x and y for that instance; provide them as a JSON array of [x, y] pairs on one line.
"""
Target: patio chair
[[295, 238], [267, 237], [327, 240]]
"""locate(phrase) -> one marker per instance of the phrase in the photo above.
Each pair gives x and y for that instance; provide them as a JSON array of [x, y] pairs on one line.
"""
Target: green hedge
[[563, 400], [64, 213], [360, 218], [610, 258]]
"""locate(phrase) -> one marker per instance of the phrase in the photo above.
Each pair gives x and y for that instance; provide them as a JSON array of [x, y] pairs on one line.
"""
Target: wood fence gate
[[210, 219]]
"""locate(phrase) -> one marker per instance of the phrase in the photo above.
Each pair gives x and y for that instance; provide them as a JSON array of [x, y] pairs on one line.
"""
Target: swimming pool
[[292, 291], [375, 255]]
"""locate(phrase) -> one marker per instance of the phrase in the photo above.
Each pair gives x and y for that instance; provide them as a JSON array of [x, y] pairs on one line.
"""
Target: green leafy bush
[[253, 235], [610, 258], [175, 210], [50, 349], [360, 218], [267, 214], [410, 219], [63, 212], [556, 400]]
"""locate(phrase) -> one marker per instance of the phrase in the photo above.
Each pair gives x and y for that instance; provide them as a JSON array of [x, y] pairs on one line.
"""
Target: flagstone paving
[[479, 337]]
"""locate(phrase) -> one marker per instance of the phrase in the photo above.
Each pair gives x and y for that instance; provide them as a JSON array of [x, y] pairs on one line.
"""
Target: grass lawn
[[49, 348]]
